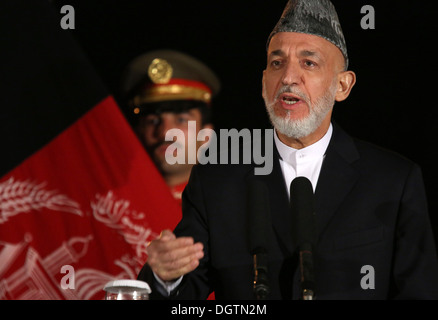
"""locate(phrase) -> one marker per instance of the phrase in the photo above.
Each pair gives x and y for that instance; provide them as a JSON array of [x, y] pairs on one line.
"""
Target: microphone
[[258, 217], [304, 230]]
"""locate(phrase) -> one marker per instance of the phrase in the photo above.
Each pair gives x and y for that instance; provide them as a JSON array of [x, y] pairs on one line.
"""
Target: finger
[[160, 246], [161, 253], [175, 258], [167, 235], [177, 261], [175, 268], [167, 242], [194, 251], [169, 275]]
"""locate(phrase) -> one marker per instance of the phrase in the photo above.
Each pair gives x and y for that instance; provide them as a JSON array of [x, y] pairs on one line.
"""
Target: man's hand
[[170, 257]]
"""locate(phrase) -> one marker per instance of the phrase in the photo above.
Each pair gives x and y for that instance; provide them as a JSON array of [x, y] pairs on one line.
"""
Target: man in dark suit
[[374, 236]]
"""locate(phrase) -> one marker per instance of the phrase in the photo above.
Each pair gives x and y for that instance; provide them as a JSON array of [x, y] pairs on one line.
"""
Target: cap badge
[[160, 71]]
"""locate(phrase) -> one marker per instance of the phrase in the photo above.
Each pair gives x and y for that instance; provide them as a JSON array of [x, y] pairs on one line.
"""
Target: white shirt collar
[[307, 154]]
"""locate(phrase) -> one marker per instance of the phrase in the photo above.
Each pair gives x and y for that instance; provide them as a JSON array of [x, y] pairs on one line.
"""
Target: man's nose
[[292, 74]]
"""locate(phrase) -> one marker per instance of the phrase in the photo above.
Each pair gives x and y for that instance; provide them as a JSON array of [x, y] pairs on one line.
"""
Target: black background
[[393, 102]]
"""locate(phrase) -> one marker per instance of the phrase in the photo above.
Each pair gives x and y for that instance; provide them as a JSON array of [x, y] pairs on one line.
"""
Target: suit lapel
[[280, 216], [337, 177]]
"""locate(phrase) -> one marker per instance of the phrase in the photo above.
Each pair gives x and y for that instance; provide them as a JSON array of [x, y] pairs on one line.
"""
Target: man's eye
[[309, 64], [151, 121], [275, 63], [182, 119]]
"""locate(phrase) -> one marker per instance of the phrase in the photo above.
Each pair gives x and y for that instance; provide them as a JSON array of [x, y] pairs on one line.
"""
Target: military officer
[[163, 90]]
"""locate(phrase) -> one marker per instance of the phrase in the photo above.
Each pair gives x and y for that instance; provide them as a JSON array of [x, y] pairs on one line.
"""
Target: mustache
[[293, 90]]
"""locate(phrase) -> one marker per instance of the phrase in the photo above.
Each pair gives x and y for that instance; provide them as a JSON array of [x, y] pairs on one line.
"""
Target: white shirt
[[304, 162]]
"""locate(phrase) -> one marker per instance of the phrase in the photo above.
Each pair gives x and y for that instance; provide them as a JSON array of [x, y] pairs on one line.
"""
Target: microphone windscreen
[[257, 215], [303, 211]]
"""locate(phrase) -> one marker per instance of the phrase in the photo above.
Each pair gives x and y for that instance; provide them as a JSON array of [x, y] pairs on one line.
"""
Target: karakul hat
[[315, 17]]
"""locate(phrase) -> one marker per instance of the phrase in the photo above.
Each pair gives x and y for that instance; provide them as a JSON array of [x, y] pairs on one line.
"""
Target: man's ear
[[346, 81]]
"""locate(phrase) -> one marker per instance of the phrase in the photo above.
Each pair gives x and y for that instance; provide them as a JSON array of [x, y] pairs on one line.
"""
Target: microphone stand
[[258, 219], [307, 272], [261, 283]]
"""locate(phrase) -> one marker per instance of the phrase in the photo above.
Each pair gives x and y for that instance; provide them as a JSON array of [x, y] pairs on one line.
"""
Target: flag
[[79, 197]]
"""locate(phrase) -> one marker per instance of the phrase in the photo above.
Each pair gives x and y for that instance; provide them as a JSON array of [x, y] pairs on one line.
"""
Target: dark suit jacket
[[371, 211]]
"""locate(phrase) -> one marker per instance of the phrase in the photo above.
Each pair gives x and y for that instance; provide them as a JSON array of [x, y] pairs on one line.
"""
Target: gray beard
[[302, 127]]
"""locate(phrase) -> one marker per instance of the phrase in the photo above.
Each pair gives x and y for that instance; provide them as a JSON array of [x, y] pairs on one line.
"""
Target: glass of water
[[126, 289]]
